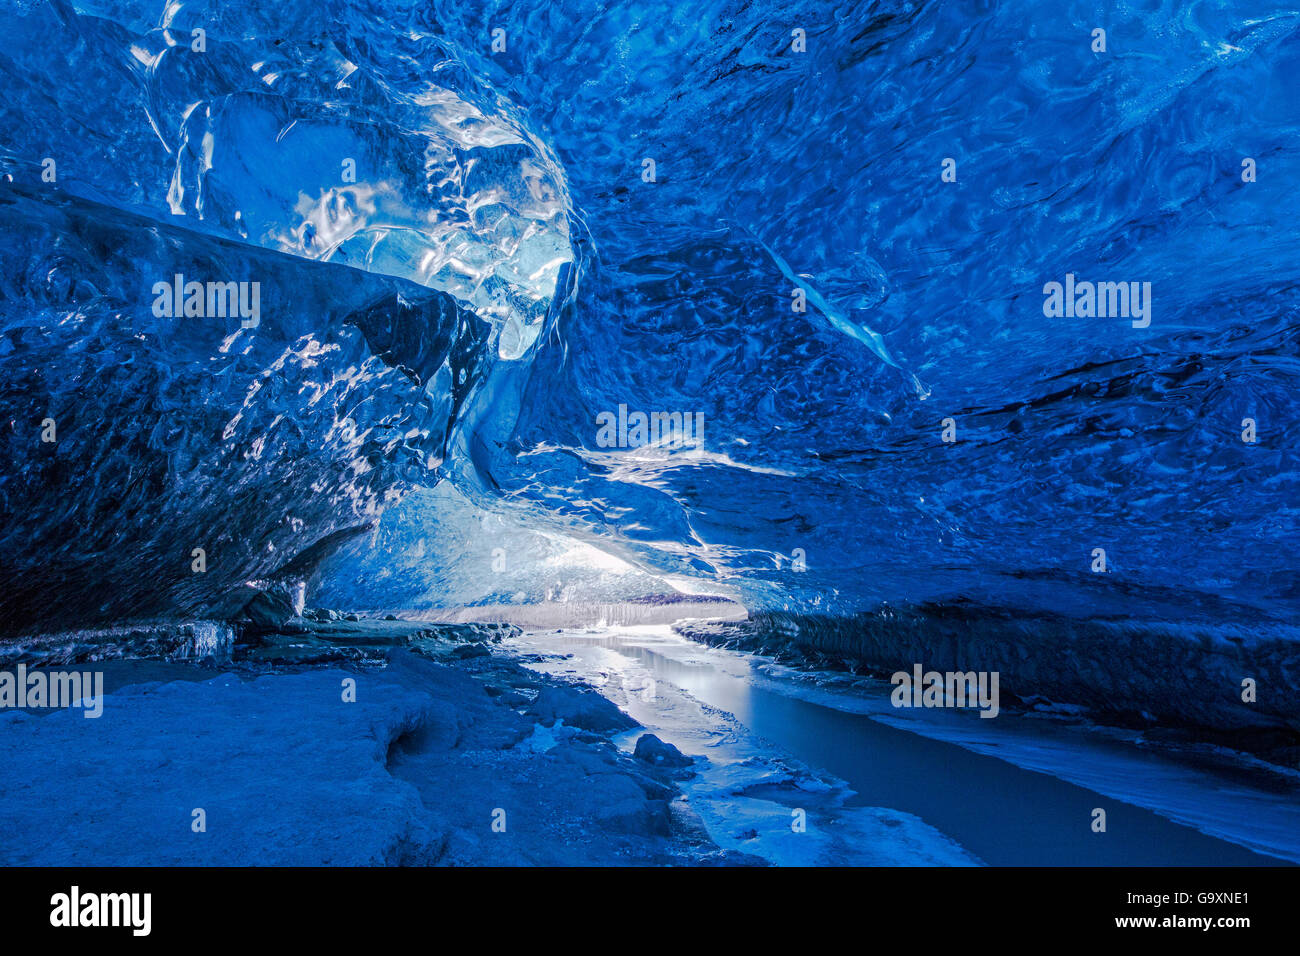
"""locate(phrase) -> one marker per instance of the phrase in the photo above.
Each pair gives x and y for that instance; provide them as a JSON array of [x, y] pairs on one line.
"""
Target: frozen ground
[[278, 768], [415, 771], [455, 734]]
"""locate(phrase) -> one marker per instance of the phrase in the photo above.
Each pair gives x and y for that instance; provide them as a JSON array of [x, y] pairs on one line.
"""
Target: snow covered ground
[[432, 763], [469, 752]]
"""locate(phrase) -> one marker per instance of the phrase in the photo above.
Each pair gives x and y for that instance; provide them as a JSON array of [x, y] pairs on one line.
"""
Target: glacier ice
[[500, 273]]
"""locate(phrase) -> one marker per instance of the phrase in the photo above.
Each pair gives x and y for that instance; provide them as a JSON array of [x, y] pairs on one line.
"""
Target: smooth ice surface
[[746, 791], [1010, 791]]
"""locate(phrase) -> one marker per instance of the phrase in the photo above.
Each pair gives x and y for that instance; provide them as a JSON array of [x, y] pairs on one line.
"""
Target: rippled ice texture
[[505, 193]]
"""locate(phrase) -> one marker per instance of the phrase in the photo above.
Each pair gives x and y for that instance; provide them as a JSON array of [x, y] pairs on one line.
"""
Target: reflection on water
[[1001, 812]]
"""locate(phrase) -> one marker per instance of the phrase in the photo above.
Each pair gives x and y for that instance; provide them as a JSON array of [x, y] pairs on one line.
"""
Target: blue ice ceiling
[[467, 254]]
